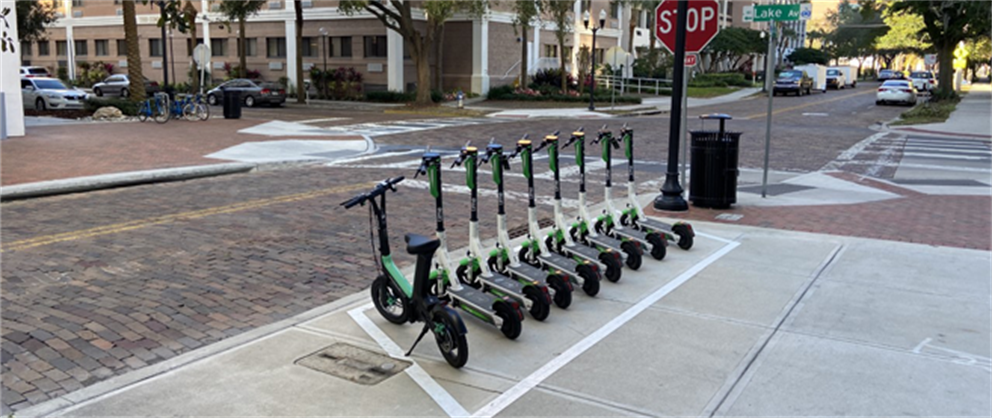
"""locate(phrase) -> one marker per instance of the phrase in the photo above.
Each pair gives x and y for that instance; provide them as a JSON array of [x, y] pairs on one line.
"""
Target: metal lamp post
[[323, 34], [592, 71], [671, 192]]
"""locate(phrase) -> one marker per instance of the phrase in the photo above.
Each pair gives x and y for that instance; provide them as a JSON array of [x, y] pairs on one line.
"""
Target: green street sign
[[777, 12]]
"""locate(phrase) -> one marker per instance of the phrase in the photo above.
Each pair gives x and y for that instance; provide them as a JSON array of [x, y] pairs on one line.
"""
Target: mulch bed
[[62, 113]]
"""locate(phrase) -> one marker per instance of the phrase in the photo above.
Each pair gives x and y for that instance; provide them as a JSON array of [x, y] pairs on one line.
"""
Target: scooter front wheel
[[511, 320], [450, 340], [390, 301], [540, 304], [462, 272]]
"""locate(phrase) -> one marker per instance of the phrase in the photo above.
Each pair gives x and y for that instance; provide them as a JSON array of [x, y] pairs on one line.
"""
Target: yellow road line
[[158, 220], [790, 108]]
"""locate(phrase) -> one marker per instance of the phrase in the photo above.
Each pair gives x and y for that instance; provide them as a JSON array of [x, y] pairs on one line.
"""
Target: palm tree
[[136, 86], [298, 4], [240, 10]]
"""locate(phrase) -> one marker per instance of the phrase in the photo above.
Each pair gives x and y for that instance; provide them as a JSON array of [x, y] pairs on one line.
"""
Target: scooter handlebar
[[387, 184], [575, 136]]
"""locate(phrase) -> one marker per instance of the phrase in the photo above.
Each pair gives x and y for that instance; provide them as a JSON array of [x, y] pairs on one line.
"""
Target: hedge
[[397, 97], [508, 93], [720, 80]]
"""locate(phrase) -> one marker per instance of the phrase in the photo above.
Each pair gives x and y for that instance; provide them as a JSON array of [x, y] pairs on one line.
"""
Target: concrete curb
[[115, 384], [106, 181]]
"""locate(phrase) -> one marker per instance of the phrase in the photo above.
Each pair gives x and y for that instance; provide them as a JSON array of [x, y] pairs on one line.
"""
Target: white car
[[923, 80], [49, 93], [34, 71], [896, 91], [836, 79]]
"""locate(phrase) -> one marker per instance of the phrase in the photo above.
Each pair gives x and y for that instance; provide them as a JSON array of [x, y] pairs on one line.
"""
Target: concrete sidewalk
[[748, 322], [971, 117]]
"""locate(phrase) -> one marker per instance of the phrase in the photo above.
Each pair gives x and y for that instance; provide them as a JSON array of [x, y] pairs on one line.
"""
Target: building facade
[[477, 53]]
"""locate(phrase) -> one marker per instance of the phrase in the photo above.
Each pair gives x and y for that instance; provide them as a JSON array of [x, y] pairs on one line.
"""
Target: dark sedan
[[252, 93], [793, 81]]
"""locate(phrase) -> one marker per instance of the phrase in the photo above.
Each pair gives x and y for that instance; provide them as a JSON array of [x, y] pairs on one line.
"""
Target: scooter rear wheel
[[511, 320], [591, 279], [540, 303], [563, 292], [685, 236], [390, 301], [613, 266], [451, 342], [634, 254], [659, 247]]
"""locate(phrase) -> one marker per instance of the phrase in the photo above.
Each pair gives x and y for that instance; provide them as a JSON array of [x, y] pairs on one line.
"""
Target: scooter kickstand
[[420, 337]]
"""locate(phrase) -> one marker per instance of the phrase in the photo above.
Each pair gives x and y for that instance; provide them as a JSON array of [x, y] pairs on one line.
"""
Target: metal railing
[[636, 85]]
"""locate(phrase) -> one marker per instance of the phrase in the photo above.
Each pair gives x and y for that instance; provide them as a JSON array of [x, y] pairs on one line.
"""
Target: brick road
[[102, 283]]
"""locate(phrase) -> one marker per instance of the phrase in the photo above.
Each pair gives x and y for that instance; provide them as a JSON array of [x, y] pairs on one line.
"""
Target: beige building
[[477, 53]]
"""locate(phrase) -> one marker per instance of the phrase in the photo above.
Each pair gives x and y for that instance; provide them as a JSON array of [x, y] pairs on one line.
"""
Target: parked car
[[34, 71], [42, 93], [896, 91], [923, 80], [890, 75], [252, 93], [836, 79], [117, 85], [850, 74], [793, 81]]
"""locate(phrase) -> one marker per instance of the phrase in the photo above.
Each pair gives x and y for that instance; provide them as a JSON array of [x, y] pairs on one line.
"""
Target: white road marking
[[521, 388], [321, 120], [443, 399]]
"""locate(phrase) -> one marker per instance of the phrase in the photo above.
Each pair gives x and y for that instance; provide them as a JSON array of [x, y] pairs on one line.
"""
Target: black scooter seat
[[419, 244]]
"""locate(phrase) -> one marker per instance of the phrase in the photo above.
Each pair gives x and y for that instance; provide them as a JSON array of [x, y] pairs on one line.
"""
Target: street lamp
[[323, 34], [592, 71]]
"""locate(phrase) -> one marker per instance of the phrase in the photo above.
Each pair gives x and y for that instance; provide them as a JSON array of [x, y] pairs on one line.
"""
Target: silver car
[[118, 84], [49, 93]]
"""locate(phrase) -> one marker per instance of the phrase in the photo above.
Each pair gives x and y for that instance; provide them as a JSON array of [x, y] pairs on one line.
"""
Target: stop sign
[[701, 24]]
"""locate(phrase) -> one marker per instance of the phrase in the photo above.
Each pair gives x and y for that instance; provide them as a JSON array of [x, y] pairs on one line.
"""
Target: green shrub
[[397, 97], [501, 93], [720, 80], [126, 106]]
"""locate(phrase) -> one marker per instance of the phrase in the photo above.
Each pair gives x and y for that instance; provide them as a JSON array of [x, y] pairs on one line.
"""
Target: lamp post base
[[671, 199]]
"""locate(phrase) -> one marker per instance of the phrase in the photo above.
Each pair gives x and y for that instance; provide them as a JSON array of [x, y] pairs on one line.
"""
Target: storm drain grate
[[353, 363], [522, 229]]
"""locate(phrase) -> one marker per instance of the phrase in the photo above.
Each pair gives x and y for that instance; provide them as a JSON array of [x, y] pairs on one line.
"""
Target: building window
[[218, 47], [550, 51], [275, 47], [615, 10], [339, 47], [375, 46], [252, 49], [309, 46], [80, 47], [121, 47], [43, 48], [102, 47], [600, 54], [25, 49], [77, 3], [155, 47], [61, 48], [190, 46]]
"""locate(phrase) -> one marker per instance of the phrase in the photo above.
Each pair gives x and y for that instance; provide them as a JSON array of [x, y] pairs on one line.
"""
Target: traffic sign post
[[683, 27]]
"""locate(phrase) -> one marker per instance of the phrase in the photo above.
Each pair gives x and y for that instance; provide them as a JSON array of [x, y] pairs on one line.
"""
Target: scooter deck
[[632, 234], [477, 300], [608, 242], [503, 284], [582, 251], [559, 262], [529, 272], [645, 222]]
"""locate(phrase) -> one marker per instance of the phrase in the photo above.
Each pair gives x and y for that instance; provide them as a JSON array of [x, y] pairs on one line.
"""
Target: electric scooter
[[503, 313], [581, 230], [501, 259], [559, 241], [534, 250], [392, 293], [633, 215], [605, 224], [473, 271]]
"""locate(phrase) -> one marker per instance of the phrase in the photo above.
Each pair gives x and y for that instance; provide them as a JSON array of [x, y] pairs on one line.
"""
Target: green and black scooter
[[582, 231], [534, 250], [473, 271], [633, 215], [606, 224], [560, 241], [503, 313], [502, 259], [400, 301]]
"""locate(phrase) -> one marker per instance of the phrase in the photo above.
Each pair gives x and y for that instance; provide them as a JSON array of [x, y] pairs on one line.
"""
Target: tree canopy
[[33, 18], [803, 56], [736, 44]]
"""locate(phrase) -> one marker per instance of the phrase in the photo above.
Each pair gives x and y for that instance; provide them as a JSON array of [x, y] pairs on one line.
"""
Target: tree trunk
[[631, 27], [300, 94], [561, 65], [945, 59], [523, 56], [654, 30], [136, 80], [439, 59], [418, 52], [243, 48], [195, 86]]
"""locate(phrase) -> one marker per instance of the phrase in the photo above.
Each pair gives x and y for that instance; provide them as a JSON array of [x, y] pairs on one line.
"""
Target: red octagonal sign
[[701, 24]]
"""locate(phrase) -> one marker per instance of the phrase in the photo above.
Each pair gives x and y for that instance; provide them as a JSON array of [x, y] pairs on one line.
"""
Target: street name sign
[[701, 26], [778, 12]]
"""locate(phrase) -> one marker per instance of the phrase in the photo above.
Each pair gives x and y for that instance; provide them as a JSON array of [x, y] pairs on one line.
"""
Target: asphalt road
[[103, 283]]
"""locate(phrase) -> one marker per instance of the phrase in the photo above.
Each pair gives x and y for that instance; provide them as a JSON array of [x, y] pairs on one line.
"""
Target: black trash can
[[713, 179], [232, 104]]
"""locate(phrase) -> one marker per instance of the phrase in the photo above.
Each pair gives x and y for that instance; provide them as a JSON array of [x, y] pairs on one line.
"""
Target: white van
[[850, 75]]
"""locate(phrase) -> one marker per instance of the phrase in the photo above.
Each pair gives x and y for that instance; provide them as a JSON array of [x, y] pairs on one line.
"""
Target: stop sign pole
[[671, 192]]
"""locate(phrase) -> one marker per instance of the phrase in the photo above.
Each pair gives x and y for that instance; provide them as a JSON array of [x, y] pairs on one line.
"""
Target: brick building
[[477, 53]]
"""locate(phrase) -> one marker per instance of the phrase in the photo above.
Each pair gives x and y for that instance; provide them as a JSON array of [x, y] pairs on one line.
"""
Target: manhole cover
[[352, 363]]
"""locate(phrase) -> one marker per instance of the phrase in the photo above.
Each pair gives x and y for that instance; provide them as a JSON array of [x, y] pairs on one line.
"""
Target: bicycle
[[196, 107], [156, 108]]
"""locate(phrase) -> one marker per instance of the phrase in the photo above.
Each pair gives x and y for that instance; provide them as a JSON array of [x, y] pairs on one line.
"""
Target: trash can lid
[[712, 116]]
